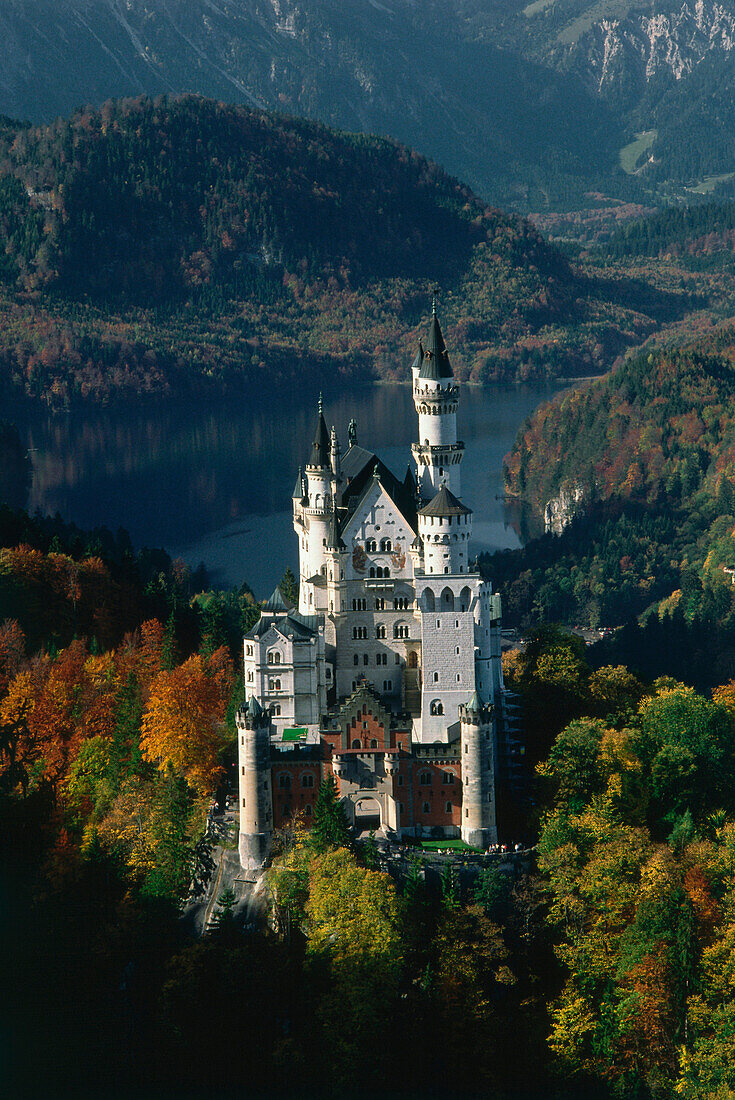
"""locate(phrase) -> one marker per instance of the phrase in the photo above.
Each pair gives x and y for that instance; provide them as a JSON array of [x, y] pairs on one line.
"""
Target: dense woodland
[[608, 951], [159, 245]]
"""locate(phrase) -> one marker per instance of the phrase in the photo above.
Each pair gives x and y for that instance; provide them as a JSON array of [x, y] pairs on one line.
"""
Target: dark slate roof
[[320, 447], [276, 602], [475, 705], [360, 485], [334, 539], [298, 489], [419, 358], [355, 461], [445, 503], [435, 363], [253, 708], [291, 625]]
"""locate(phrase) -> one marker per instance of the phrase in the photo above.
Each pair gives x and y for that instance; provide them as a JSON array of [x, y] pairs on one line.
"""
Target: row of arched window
[[447, 601], [379, 571], [371, 546], [284, 781]]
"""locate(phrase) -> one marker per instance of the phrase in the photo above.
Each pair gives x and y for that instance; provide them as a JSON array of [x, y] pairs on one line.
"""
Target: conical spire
[[419, 358], [320, 447], [253, 708], [334, 539], [298, 489], [435, 363], [276, 602], [475, 705]]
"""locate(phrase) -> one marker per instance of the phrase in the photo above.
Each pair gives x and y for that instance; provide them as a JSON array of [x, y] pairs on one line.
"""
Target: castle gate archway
[[367, 814]]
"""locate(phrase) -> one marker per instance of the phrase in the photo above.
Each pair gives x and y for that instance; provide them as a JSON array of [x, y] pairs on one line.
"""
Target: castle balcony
[[383, 584]]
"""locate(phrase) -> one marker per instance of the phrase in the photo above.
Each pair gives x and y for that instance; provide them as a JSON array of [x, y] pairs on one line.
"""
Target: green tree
[[330, 828]]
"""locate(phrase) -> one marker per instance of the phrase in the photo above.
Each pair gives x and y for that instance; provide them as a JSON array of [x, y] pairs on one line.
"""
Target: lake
[[212, 481]]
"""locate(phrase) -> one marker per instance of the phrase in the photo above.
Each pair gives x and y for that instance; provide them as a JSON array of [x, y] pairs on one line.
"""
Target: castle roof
[[253, 708], [445, 503], [292, 625], [435, 362], [334, 539], [298, 489], [419, 357], [475, 705], [320, 447], [276, 602], [360, 485]]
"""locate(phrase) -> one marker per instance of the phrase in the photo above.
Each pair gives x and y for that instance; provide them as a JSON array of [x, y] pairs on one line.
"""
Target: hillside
[[430, 74], [637, 470], [661, 428], [538, 106], [155, 244]]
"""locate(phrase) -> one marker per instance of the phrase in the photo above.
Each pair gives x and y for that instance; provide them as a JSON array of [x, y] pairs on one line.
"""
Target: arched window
[[371, 546], [429, 600], [425, 809], [447, 807], [372, 570], [276, 710], [385, 545], [357, 743], [365, 658], [425, 779], [447, 599], [274, 657], [373, 744], [356, 659], [380, 630], [464, 598], [284, 781], [447, 777], [436, 706], [307, 780]]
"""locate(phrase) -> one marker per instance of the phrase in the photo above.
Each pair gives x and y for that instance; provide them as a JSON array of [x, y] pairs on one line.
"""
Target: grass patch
[[630, 155], [708, 184], [536, 7]]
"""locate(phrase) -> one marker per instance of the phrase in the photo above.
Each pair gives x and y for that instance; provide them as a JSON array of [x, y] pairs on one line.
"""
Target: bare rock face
[[561, 509], [666, 41]]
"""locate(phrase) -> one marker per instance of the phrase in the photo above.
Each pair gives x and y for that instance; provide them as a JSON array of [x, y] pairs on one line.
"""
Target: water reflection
[[213, 482]]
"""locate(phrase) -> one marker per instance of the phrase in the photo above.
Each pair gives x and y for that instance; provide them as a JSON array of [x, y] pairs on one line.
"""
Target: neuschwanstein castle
[[388, 674]]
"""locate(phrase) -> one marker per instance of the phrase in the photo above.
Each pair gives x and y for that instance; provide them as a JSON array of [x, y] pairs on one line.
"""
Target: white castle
[[388, 674]]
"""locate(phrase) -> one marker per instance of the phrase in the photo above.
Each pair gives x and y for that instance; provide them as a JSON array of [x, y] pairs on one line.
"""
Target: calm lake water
[[212, 482]]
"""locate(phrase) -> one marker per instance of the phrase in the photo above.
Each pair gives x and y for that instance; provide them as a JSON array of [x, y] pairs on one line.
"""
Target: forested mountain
[[643, 463], [531, 103], [151, 244], [431, 75]]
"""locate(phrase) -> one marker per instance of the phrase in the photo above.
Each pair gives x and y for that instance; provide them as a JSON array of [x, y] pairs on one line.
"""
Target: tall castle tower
[[478, 795], [256, 797], [438, 453], [316, 511]]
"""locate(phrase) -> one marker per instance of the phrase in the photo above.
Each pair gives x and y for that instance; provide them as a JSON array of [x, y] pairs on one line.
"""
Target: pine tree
[[289, 587], [330, 828]]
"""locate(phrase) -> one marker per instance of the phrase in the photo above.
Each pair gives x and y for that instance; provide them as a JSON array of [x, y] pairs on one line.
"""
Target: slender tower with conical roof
[[316, 512], [438, 453]]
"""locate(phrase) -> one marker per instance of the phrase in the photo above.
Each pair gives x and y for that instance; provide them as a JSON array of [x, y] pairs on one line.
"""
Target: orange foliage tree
[[183, 722]]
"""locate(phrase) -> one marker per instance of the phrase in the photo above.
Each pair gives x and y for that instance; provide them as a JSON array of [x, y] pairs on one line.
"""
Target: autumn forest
[[166, 247]]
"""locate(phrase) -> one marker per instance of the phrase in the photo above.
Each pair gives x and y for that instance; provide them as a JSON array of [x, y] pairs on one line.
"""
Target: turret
[[334, 455], [445, 529], [317, 510], [256, 805], [478, 796], [438, 453]]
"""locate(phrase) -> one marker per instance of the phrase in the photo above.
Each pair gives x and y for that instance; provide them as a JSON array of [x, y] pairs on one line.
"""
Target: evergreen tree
[[289, 587], [330, 828]]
